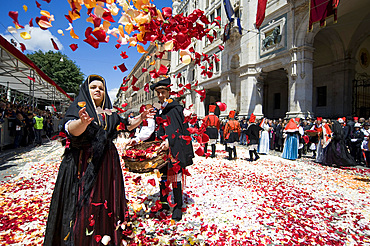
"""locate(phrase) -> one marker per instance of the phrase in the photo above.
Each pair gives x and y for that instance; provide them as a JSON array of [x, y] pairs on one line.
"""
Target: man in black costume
[[336, 153], [254, 134], [172, 129]]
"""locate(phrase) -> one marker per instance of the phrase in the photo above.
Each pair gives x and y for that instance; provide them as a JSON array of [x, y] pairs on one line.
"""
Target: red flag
[[261, 8], [322, 9]]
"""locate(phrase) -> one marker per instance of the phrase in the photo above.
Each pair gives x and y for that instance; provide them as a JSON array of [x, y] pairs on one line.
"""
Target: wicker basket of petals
[[144, 157]]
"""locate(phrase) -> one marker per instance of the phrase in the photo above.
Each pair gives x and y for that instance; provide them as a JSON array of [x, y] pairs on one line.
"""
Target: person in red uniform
[[232, 134], [212, 125]]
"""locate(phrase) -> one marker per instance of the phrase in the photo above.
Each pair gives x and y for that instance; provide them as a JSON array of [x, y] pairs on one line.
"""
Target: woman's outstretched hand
[[84, 117]]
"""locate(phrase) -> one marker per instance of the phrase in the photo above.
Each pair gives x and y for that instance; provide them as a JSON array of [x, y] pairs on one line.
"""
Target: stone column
[[260, 80], [227, 97], [300, 83], [199, 109]]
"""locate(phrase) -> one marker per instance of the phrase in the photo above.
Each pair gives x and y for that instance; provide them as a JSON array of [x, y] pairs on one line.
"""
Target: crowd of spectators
[[356, 134], [21, 121]]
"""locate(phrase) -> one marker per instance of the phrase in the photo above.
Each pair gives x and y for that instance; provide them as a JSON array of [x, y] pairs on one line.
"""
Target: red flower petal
[[124, 55], [167, 12], [73, 47], [108, 16], [14, 16], [68, 18], [153, 74], [200, 151], [54, 44], [122, 67], [124, 105], [134, 80], [137, 180], [142, 108], [146, 87], [100, 35], [151, 181], [221, 47], [134, 88], [188, 86], [124, 88], [38, 5], [97, 238], [222, 106], [162, 70], [23, 47], [31, 22], [96, 204], [169, 202], [88, 32], [43, 18], [144, 70], [92, 41]]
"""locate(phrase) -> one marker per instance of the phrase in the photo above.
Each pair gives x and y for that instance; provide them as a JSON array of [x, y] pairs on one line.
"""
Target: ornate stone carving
[[273, 38]]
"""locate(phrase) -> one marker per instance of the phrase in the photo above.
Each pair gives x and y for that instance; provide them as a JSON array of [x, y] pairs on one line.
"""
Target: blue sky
[[90, 60]]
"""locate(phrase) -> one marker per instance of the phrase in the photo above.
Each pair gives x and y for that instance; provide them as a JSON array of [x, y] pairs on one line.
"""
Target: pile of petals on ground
[[24, 200], [269, 202], [272, 201]]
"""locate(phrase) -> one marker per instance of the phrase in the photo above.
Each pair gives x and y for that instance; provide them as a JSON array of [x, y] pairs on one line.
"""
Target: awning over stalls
[[19, 73]]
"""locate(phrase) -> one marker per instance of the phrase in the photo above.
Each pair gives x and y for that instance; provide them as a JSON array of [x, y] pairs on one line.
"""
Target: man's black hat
[[165, 83]]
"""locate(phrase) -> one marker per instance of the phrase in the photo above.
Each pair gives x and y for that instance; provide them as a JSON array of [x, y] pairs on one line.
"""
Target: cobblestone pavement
[[13, 160], [271, 201]]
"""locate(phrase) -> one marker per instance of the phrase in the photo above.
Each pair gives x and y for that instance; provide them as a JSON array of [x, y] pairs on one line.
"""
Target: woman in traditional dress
[[264, 144], [89, 201], [290, 150]]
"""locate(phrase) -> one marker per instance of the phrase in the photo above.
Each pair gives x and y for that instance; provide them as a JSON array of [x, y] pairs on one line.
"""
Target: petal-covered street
[[271, 201]]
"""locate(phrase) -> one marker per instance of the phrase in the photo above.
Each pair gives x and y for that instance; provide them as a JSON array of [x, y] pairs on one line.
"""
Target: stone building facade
[[150, 61], [282, 69]]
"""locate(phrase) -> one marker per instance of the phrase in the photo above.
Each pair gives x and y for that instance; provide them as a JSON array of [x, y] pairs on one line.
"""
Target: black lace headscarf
[[97, 133]]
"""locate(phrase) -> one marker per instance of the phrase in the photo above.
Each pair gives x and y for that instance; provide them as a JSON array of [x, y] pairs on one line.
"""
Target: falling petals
[[168, 45], [54, 44], [73, 34], [124, 55], [141, 49], [23, 47], [25, 35], [162, 70], [152, 182], [146, 87], [73, 47], [97, 238], [122, 67], [124, 88], [221, 105], [200, 151]]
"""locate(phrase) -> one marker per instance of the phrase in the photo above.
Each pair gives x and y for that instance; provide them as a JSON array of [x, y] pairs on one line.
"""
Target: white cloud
[[40, 39], [112, 94]]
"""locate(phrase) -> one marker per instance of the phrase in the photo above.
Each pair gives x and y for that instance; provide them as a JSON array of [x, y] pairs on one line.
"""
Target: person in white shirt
[[146, 132]]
